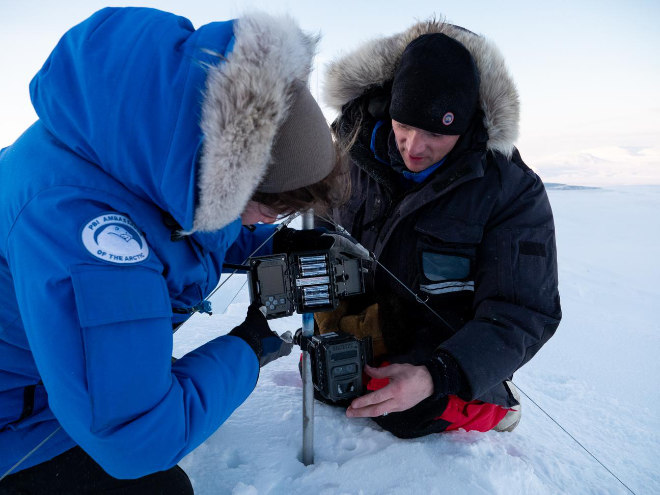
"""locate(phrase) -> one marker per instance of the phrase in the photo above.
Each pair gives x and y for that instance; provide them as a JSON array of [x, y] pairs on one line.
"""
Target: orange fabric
[[471, 416], [376, 383]]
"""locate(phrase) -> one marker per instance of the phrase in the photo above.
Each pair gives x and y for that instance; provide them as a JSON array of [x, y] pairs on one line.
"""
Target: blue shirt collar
[[418, 177]]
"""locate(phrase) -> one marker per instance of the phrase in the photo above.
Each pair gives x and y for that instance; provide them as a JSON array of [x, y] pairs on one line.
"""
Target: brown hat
[[303, 152]]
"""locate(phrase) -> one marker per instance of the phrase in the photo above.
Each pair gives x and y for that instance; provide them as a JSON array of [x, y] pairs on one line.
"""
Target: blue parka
[[147, 128]]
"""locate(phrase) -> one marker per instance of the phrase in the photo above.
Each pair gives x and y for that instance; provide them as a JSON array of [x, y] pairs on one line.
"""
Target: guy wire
[[30, 453], [575, 440], [420, 300], [372, 256], [417, 298], [286, 222]]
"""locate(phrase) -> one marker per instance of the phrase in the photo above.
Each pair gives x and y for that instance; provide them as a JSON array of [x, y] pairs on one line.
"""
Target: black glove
[[266, 344], [288, 240], [448, 378], [418, 421], [422, 419]]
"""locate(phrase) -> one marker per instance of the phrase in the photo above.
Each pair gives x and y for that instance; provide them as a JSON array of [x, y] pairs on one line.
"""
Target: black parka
[[475, 240]]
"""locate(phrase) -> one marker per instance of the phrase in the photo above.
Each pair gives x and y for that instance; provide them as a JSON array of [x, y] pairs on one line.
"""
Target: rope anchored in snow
[[203, 307], [426, 305], [30, 453], [575, 440], [418, 299]]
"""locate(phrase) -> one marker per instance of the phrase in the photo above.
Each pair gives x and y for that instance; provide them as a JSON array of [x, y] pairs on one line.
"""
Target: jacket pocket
[[449, 230], [125, 320], [446, 251], [444, 273]]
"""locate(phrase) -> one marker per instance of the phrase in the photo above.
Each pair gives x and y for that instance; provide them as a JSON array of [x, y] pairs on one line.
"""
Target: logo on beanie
[[448, 118]]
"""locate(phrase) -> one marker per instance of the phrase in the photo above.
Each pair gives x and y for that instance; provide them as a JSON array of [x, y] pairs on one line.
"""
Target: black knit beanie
[[436, 85]]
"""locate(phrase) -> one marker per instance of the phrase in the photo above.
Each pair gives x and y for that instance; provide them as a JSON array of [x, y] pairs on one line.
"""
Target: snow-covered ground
[[598, 378]]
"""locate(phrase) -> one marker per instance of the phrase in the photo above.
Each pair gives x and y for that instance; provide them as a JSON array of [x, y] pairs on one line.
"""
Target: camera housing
[[337, 364], [304, 282], [313, 282]]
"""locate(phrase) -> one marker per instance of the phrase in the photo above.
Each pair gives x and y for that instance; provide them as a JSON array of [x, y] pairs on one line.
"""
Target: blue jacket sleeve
[[101, 337], [255, 240]]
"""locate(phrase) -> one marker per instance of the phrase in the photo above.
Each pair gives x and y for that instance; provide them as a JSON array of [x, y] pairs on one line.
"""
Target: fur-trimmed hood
[[375, 62], [184, 118], [246, 100]]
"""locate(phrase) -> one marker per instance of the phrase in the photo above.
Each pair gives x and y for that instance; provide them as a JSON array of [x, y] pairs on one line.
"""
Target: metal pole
[[308, 385]]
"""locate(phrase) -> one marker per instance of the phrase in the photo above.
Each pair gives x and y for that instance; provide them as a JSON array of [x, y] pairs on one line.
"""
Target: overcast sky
[[588, 71]]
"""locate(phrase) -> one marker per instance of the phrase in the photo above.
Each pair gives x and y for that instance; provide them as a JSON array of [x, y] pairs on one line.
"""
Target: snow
[[597, 377]]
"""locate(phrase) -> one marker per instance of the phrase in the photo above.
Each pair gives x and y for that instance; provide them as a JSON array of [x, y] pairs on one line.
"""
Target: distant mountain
[[556, 185], [605, 166]]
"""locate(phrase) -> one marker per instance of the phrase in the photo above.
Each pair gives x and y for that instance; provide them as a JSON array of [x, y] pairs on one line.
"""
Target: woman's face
[[256, 212]]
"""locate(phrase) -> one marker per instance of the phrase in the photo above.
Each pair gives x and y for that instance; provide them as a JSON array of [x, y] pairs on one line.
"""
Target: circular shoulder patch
[[115, 238]]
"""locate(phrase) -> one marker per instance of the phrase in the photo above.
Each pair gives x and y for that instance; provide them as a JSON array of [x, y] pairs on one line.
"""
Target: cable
[[418, 299], [30, 453], [416, 296], [286, 222], [372, 256], [574, 439]]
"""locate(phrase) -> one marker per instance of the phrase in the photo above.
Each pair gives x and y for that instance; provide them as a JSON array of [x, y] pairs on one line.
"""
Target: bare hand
[[409, 385]]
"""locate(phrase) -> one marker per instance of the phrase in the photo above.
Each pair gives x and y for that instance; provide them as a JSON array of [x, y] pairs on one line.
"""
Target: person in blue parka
[[158, 147]]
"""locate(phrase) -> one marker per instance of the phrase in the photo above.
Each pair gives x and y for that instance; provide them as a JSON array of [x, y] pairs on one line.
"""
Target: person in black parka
[[443, 199]]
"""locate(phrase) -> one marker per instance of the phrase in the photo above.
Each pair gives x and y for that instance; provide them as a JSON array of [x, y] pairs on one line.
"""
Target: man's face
[[419, 148]]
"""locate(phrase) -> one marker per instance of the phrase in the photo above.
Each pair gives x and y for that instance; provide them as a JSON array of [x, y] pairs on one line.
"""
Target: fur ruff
[[246, 100], [375, 62]]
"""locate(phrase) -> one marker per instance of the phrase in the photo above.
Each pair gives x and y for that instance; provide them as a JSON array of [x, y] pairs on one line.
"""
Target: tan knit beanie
[[303, 152]]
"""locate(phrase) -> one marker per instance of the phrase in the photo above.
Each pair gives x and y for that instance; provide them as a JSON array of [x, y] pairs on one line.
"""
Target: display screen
[[271, 279]]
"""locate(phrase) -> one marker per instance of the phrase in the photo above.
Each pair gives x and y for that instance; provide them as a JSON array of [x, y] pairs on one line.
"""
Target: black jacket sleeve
[[517, 307]]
